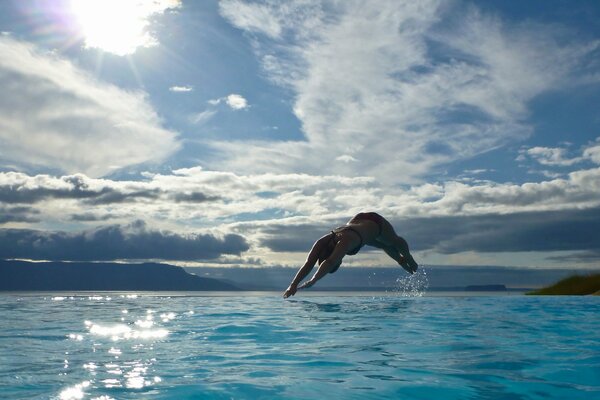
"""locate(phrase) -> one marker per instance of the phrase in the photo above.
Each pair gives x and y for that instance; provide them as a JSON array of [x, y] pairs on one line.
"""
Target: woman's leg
[[393, 242]]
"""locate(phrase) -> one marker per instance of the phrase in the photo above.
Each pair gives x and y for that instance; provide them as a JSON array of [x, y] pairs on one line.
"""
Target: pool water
[[258, 346]]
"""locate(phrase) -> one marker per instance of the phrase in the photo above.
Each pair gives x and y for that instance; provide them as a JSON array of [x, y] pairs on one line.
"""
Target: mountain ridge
[[61, 276]]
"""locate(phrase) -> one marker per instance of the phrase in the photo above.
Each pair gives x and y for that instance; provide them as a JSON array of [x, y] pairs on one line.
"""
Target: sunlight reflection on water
[[387, 346], [74, 392], [124, 332]]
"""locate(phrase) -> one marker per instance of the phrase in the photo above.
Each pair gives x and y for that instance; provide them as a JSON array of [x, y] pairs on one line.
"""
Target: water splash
[[414, 285]]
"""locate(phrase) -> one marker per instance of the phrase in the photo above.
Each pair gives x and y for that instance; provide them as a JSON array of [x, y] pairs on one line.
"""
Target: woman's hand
[[307, 284], [290, 291]]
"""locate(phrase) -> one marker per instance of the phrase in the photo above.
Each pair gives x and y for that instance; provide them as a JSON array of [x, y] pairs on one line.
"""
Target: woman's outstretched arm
[[333, 260], [311, 259]]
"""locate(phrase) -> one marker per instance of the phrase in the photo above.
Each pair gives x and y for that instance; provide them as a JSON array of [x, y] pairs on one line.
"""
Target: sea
[[405, 344]]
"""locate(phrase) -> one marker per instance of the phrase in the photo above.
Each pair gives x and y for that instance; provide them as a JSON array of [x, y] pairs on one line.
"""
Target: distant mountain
[[573, 285], [55, 276], [485, 288]]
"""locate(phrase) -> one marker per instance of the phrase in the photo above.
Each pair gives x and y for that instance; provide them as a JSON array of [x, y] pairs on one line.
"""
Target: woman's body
[[363, 229]]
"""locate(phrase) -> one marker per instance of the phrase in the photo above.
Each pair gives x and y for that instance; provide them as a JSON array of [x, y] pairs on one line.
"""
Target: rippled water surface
[[126, 346]]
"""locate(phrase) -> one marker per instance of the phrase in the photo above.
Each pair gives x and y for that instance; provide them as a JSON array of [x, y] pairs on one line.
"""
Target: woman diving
[[367, 228]]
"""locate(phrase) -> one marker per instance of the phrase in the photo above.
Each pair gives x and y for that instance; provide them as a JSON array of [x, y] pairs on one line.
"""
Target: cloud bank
[[131, 242], [285, 213], [54, 115], [327, 197]]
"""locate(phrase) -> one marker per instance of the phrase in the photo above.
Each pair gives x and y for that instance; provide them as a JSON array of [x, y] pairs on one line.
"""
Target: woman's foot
[[408, 263]]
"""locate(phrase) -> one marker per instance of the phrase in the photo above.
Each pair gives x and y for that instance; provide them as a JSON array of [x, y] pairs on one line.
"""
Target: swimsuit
[[353, 251], [371, 216], [349, 228]]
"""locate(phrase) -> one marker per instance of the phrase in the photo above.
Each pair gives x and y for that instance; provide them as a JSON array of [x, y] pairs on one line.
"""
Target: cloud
[[568, 230], [131, 242], [18, 214], [519, 232], [202, 117], [54, 115], [346, 158], [234, 101], [551, 156], [398, 86], [292, 237], [592, 152], [300, 195], [20, 188], [89, 217], [181, 89], [253, 17], [281, 214], [591, 256]]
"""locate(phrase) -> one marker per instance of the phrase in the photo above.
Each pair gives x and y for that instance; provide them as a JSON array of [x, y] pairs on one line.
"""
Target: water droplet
[[414, 285]]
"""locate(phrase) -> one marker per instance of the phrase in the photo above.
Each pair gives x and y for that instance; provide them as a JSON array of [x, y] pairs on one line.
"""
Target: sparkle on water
[[221, 346]]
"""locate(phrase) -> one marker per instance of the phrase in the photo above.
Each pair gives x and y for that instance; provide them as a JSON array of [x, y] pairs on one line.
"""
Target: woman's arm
[[340, 250], [311, 259]]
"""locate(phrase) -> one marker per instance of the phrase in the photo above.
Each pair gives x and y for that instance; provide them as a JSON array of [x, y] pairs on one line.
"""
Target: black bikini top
[[349, 228]]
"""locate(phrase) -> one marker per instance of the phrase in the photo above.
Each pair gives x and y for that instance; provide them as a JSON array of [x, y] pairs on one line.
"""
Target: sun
[[117, 26]]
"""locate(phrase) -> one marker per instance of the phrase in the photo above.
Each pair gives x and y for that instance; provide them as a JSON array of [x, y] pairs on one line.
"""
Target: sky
[[235, 133]]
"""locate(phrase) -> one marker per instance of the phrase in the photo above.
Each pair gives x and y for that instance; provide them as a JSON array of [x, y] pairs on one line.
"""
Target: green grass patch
[[573, 285]]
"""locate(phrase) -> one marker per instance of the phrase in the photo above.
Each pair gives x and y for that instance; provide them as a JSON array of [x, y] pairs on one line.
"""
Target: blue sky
[[220, 133]]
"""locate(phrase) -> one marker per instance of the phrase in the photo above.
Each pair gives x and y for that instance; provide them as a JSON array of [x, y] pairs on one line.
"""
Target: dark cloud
[[194, 197], [87, 217], [289, 238], [132, 242], [44, 187], [78, 187], [18, 214], [534, 231], [569, 230], [111, 196], [580, 257]]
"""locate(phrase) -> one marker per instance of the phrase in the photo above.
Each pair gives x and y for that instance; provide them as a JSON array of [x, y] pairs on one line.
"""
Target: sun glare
[[117, 26]]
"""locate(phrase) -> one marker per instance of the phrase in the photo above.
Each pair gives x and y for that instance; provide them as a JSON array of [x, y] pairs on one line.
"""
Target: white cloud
[[552, 156], [274, 19], [559, 156], [346, 158], [56, 116], [202, 117], [407, 92], [236, 102], [252, 17], [593, 152], [181, 88], [174, 197]]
